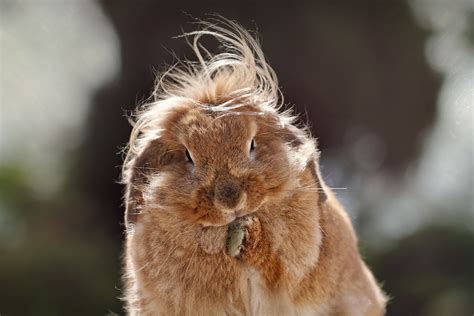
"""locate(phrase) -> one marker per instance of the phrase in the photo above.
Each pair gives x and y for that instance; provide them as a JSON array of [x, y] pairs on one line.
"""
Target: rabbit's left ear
[[296, 138], [313, 166]]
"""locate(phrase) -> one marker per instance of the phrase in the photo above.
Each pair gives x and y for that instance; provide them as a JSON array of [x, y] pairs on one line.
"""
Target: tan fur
[[299, 255]]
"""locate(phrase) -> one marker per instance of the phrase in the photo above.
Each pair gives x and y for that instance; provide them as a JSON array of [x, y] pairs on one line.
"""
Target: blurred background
[[387, 86]]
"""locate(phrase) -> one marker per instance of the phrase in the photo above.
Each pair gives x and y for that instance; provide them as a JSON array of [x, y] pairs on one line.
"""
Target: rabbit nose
[[227, 194]]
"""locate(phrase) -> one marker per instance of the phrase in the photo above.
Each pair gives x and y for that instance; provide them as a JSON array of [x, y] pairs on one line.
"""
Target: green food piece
[[235, 237]]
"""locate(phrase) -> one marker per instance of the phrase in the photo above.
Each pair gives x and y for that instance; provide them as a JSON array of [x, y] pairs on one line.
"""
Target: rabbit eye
[[188, 157], [252, 145]]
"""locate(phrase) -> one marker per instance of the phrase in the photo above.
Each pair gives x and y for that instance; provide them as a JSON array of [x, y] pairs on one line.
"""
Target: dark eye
[[252, 145], [188, 157]]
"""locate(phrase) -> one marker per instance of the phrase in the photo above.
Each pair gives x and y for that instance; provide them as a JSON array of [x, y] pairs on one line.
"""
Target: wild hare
[[226, 211]]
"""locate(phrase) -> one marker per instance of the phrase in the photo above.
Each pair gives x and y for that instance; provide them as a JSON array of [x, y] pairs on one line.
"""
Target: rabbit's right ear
[[146, 163]]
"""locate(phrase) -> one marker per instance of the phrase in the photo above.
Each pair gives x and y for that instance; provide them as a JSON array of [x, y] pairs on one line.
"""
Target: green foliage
[[429, 273], [51, 262]]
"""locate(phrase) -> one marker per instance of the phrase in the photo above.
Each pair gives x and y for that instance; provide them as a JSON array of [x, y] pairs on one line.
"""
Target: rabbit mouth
[[223, 221], [243, 212], [222, 216], [226, 217]]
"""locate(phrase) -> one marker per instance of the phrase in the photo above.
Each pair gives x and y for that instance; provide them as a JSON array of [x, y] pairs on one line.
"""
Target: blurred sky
[[56, 54], [439, 186]]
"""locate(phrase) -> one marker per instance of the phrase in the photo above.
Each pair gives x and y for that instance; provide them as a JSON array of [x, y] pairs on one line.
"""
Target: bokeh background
[[387, 86]]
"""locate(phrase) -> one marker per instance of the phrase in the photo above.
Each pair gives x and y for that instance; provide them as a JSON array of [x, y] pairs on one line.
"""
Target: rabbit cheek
[[277, 175], [200, 203], [255, 192]]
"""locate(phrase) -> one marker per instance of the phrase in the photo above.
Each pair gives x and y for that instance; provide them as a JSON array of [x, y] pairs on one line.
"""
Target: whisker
[[190, 260]]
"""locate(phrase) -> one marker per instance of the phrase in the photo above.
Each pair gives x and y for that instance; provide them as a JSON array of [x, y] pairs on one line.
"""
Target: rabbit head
[[213, 146]]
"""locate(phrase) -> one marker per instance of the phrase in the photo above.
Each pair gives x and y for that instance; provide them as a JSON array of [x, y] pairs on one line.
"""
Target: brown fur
[[299, 255]]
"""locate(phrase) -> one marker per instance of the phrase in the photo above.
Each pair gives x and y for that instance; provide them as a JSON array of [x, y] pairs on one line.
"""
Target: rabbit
[[226, 209]]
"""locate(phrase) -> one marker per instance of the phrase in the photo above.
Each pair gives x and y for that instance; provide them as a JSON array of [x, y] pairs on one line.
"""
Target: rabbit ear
[[296, 138], [313, 165], [147, 162]]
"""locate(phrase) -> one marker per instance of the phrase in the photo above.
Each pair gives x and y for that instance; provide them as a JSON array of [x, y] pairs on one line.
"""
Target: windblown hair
[[238, 75]]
